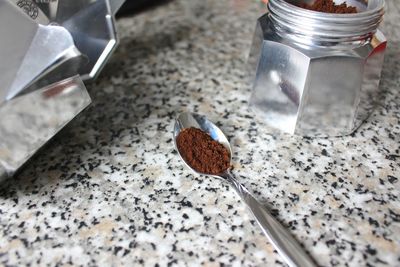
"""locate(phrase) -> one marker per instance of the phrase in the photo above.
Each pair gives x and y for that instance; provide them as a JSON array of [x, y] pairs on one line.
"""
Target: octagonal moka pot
[[48, 47], [315, 73]]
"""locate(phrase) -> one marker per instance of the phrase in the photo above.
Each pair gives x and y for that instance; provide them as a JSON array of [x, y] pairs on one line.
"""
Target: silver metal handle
[[293, 254]]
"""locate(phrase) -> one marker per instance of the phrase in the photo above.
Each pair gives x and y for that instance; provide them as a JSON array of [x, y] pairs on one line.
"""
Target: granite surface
[[110, 190]]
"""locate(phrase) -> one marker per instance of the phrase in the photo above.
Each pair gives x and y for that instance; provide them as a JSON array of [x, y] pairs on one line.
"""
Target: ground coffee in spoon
[[329, 6], [201, 152]]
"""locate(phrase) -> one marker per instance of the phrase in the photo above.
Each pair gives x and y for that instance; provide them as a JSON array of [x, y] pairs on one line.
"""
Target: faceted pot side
[[341, 90], [331, 95], [279, 76], [373, 55]]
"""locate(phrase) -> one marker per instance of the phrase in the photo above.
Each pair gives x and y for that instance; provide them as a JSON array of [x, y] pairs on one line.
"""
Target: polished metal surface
[[314, 73], [32, 51], [49, 47], [90, 22], [14, 43], [115, 5], [29, 121], [285, 244], [48, 7], [45, 56]]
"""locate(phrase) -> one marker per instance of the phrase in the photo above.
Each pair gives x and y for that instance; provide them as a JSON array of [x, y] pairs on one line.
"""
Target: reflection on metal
[[29, 121], [47, 42], [91, 24], [316, 74]]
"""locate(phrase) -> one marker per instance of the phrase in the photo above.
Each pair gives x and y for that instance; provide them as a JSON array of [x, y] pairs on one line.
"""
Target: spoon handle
[[284, 243]]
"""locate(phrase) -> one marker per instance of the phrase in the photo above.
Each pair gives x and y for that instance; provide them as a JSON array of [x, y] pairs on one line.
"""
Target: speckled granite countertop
[[110, 190]]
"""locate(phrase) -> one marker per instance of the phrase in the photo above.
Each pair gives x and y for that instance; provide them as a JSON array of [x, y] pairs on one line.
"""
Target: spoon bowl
[[188, 120], [280, 238]]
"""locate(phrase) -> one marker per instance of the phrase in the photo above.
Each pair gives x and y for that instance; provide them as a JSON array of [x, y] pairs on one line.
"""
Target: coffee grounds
[[201, 152], [329, 6]]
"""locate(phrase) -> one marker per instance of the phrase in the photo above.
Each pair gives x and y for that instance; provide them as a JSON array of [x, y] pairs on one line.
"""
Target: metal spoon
[[284, 243]]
